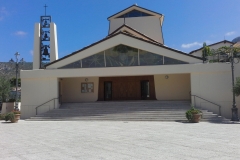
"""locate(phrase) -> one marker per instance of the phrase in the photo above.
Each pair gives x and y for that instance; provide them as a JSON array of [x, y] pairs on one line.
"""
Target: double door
[[126, 90]]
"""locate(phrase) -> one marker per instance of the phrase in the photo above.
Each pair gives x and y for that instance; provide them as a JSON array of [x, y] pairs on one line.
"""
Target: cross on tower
[[45, 8]]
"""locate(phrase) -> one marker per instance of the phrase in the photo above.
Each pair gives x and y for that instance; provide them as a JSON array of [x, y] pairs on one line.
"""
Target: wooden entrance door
[[126, 88]]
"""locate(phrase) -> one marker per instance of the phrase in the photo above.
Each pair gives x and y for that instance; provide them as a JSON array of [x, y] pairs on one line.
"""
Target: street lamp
[[17, 67], [234, 106]]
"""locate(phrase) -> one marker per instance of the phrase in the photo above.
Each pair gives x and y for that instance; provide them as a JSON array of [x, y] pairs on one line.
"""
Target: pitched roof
[[147, 41], [137, 8], [134, 30], [224, 41], [237, 44]]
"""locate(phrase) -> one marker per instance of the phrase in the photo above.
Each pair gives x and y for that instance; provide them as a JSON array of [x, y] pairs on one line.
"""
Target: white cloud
[[20, 33], [207, 42], [31, 52], [3, 13], [189, 45], [230, 33]]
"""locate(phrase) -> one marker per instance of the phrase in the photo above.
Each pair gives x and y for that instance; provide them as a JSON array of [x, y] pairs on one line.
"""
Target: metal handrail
[[45, 103], [219, 107]]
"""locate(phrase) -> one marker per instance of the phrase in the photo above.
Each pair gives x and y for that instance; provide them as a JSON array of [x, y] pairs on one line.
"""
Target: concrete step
[[126, 119], [122, 115], [124, 111]]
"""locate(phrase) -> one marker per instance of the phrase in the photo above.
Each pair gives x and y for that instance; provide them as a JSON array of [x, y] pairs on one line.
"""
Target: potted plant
[[194, 115], [16, 115], [13, 116]]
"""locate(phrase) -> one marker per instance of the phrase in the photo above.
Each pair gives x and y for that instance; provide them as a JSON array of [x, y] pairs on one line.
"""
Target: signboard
[[87, 87]]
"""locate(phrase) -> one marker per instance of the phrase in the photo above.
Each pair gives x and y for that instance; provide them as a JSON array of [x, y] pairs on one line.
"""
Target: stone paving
[[117, 140]]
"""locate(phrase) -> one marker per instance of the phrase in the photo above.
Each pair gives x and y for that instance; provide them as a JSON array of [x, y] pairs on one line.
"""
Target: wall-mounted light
[[86, 79], [166, 77]]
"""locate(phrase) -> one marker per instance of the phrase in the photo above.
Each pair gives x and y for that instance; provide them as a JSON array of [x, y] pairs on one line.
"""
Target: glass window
[[134, 13], [76, 64], [96, 60], [121, 55], [168, 60], [147, 58]]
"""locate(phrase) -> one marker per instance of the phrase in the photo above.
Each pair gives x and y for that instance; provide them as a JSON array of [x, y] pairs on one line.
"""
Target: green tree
[[229, 51], [5, 88], [205, 51], [13, 82]]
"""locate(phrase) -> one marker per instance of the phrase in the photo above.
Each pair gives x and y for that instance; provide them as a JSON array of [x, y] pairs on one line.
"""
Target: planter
[[17, 117], [196, 118]]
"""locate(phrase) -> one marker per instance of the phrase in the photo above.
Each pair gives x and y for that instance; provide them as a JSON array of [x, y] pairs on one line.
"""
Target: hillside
[[8, 70]]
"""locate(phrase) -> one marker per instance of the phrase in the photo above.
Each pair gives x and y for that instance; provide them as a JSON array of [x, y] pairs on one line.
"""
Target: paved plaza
[[116, 140]]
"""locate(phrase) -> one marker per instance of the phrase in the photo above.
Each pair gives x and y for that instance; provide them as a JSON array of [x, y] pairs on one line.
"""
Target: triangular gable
[[129, 30], [122, 55], [137, 8], [134, 13], [128, 40]]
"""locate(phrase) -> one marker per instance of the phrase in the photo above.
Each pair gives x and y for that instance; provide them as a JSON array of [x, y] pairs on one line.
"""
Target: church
[[130, 63]]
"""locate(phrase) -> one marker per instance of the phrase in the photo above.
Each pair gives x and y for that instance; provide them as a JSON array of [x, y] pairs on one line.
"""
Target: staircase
[[124, 111]]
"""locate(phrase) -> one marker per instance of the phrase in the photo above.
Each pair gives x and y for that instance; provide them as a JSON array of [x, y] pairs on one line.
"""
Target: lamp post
[[234, 106], [17, 67]]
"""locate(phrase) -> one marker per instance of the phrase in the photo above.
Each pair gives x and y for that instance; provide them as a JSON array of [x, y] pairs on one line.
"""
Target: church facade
[[131, 63]]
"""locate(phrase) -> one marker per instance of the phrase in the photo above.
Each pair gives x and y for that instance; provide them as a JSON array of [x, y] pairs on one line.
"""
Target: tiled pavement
[[116, 140]]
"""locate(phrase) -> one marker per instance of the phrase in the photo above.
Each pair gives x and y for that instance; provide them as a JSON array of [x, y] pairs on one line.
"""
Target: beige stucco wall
[[36, 46], [175, 87], [215, 87], [149, 25], [71, 90], [216, 46], [210, 81], [36, 91]]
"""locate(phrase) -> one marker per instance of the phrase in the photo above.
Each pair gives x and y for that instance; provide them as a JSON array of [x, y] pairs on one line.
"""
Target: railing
[[219, 107], [46, 103]]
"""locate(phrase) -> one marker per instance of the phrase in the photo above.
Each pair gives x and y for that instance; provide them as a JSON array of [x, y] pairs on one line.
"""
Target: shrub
[[9, 116], [2, 116], [236, 88]]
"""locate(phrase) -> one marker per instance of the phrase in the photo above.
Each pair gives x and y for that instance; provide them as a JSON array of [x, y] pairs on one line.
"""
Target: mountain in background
[[8, 70], [235, 40]]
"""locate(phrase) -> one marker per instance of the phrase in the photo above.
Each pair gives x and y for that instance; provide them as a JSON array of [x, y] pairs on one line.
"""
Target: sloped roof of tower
[[129, 30], [135, 7]]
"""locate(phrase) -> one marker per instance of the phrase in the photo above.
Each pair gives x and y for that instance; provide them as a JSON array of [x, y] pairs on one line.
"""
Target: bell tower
[[45, 42], [44, 39]]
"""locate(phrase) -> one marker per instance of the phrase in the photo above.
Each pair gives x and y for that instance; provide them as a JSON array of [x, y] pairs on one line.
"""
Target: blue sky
[[186, 26]]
